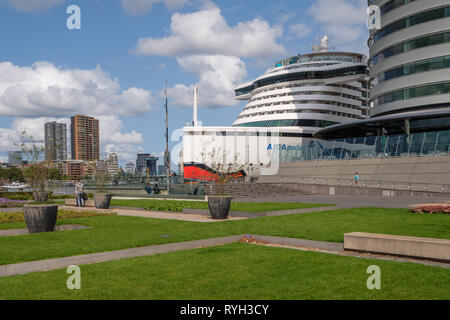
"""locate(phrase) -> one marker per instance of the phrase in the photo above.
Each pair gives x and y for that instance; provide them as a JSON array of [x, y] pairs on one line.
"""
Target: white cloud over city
[[47, 90], [44, 92], [206, 46]]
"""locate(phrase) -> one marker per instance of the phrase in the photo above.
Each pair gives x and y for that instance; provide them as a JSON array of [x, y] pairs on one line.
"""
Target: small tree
[[101, 179], [36, 174], [224, 170]]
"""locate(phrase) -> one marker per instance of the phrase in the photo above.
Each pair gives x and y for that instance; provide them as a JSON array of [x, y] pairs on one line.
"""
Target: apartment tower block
[[55, 141], [85, 138]]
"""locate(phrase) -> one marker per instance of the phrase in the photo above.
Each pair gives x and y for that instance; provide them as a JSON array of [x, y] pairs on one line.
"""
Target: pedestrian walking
[[357, 178]]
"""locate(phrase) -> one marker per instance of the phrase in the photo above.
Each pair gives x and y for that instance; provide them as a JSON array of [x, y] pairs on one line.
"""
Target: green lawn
[[120, 232], [235, 271], [178, 206]]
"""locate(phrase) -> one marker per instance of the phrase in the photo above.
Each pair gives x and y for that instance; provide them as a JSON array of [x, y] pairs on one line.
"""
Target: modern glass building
[[410, 87], [410, 56]]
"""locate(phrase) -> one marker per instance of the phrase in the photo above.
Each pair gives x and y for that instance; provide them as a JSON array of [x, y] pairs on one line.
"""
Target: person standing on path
[[79, 189]]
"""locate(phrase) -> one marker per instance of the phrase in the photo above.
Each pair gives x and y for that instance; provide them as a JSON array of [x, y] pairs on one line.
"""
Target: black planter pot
[[219, 206], [102, 200], [40, 218]]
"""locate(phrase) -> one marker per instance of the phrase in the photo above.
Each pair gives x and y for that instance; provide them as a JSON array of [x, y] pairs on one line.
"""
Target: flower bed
[[8, 203], [438, 208], [6, 217]]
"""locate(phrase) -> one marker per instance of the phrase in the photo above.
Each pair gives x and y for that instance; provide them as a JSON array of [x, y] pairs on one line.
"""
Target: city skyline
[[119, 80]]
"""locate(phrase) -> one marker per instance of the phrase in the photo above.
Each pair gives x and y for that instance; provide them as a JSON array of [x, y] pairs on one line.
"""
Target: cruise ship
[[293, 99]]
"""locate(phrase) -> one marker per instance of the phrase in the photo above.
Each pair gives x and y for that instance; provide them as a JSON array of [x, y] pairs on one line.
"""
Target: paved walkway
[[352, 201], [242, 214], [169, 215]]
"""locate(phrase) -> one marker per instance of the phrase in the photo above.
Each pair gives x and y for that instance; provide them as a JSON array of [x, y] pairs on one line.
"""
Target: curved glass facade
[[404, 47], [409, 22], [414, 92], [308, 75], [413, 68], [391, 5]]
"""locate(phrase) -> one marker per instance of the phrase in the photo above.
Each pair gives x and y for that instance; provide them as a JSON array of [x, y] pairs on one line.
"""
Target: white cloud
[[207, 32], [43, 93], [32, 5], [345, 21], [137, 7], [44, 90], [299, 30], [112, 139], [218, 76], [111, 132]]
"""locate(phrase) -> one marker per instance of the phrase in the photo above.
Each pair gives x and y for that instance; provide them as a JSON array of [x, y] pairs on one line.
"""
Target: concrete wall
[[425, 248], [416, 170]]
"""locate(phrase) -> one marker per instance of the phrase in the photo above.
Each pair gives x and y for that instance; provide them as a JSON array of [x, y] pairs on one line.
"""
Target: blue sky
[[114, 68]]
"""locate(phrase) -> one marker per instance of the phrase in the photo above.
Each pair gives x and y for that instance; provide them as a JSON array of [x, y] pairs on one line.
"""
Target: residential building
[[55, 141], [146, 164], [113, 164], [85, 138]]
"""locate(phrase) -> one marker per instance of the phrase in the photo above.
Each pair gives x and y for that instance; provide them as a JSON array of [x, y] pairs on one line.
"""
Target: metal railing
[[366, 183]]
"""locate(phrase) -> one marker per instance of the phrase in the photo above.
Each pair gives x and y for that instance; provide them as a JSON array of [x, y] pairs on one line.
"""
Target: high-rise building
[[410, 57], [113, 164], [130, 168], [55, 141], [146, 163], [85, 138]]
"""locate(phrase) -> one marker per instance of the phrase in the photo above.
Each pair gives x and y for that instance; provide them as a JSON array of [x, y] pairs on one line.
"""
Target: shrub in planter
[[40, 217], [102, 197], [218, 200]]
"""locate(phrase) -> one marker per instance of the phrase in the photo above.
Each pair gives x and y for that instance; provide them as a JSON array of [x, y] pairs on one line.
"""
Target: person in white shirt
[[79, 190]]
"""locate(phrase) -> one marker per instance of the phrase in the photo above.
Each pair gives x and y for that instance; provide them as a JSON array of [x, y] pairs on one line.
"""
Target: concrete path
[[59, 263], [350, 201], [168, 215], [243, 214]]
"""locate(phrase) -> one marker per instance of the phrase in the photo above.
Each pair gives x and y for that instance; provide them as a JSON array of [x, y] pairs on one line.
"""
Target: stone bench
[[424, 248], [73, 202]]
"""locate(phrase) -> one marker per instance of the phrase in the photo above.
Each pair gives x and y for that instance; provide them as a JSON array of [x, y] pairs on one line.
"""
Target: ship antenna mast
[[167, 156]]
